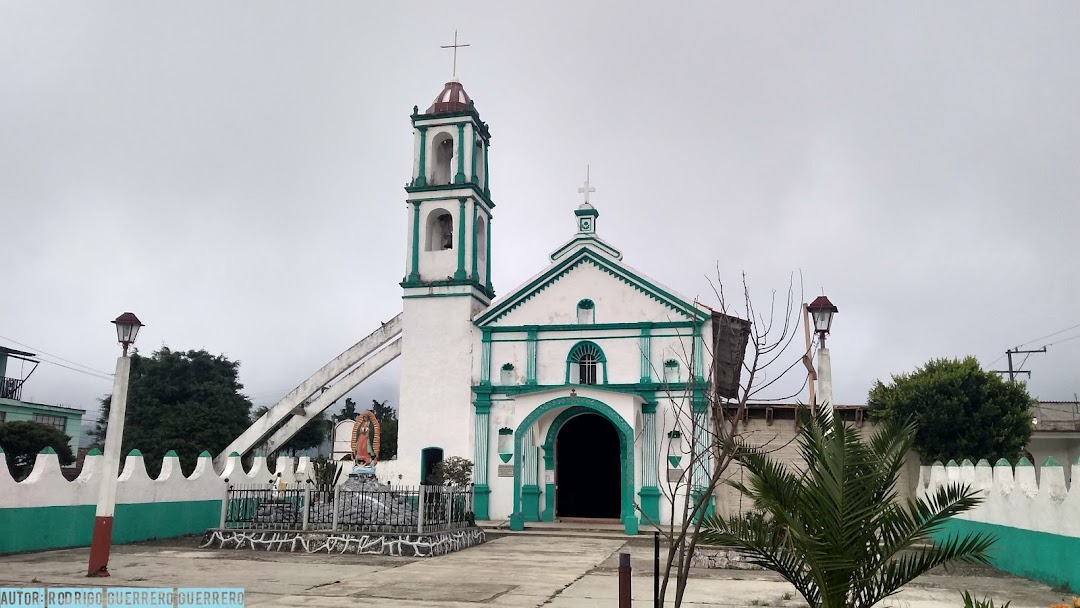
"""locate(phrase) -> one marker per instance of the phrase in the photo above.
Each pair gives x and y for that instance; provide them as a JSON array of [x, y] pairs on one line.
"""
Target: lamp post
[[127, 327], [822, 311]]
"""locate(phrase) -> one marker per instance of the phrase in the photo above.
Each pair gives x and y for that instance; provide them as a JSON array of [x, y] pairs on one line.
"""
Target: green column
[[485, 356], [460, 274], [481, 491], [646, 354], [549, 483], [530, 490], [650, 464], [472, 147], [414, 272], [474, 276], [460, 177], [421, 174], [700, 474], [487, 191], [699, 354], [530, 358], [487, 273]]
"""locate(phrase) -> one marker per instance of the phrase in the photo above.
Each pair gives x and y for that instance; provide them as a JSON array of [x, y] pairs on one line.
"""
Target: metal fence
[[400, 509]]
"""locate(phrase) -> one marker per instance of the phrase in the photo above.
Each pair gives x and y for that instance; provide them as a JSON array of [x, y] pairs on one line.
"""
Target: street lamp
[[127, 328], [822, 310]]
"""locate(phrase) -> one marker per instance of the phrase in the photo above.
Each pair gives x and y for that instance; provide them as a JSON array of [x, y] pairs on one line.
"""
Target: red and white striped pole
[[127, 327]]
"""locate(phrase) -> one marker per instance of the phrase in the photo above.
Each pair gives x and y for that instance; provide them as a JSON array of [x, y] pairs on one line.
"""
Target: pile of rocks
[[366, 502]]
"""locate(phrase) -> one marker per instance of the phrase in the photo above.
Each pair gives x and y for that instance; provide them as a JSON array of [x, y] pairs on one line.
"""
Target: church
[[562, 391]]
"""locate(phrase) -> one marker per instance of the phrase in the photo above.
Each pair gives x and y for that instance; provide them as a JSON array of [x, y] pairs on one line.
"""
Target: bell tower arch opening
[[441, 166]]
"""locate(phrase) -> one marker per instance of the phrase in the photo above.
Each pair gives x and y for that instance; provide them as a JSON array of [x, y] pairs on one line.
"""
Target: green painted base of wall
[[630, 525], [549, 502], [650, 505], [530, 503], [481, 499], [517, 522], [1047, 558], [709, 506], [41, 528]]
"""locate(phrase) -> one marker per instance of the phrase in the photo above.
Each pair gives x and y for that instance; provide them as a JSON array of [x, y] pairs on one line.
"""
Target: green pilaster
[[699, 355], [414, 273], [487, 191], [421, 174], [474, 276], [646, 354], [549, 480], [487, 273], [530, 502], [460, 177], [481, 448], [472, 164], [485, 356], [460, 274], [650, 505], [530, 358], [650, 464]]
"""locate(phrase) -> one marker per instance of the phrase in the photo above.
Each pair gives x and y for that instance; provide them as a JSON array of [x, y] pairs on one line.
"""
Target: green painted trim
[[649, 407], [171, 454], [482, 404], [135, 452], [58, 527], [485, 357], [530, 358], [549, 502], [487, 173], [475, 274], [487, 203], [645, 344], [472, 162], [574, 353], [590, 211], [626, 444], [674, 461], [480, 126], [587, 239], [460, 177], [414, 272], [650, 505], [487, 273], [586, 255], [459, 275], [48, 450], [505, 457], [94, 452], [597, 327], [445, 295], [699, 354], [647, 392], [481, 501], [1048, 558], [530, 502], [421, 174]]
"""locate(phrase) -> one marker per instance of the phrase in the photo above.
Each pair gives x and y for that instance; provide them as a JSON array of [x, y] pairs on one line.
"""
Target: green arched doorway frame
[[578, 405]]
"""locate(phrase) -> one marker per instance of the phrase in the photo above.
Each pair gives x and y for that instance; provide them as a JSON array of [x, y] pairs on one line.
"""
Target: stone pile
[[364, 502]]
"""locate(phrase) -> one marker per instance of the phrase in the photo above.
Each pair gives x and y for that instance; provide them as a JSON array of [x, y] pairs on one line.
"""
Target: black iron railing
[[11, 388], [400, 509]]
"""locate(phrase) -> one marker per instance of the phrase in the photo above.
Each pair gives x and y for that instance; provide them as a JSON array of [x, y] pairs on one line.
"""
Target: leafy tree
[[310, 435], [184, 401], [838, 531], [454, 471], [23, 440], [347, 413], [961, 410], [388, 427]]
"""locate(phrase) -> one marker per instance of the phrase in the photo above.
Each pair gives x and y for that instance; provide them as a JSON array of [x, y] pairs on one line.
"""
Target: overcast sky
[[233, 172]]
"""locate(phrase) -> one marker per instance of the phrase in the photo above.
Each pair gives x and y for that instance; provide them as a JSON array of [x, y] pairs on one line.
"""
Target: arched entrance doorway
[[588, 480]]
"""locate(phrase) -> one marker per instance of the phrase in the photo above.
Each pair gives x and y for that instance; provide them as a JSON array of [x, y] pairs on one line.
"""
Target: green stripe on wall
[[41, 528], [1048, 558]]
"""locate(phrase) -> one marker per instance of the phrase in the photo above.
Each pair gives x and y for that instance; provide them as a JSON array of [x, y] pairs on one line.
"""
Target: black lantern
[[127, 327]]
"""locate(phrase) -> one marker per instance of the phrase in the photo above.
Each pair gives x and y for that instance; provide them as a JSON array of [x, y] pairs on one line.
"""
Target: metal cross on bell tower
[[454, 46]]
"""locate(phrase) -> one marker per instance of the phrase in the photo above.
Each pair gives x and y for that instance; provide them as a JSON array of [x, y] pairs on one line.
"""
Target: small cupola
[[452, 98]]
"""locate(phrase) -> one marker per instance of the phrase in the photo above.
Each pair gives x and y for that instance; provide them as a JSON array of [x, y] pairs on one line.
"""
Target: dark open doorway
[[429, 458], [587, 472]]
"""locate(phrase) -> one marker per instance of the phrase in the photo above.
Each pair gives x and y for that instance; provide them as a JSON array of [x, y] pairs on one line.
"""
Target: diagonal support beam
[[336, 391], [264, 427]]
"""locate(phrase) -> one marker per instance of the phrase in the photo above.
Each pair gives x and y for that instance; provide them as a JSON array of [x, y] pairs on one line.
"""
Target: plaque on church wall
[[549, 476], [506, 470], [673, 475]]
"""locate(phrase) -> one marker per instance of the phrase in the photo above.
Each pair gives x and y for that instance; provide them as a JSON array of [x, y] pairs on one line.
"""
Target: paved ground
[[517, 570]]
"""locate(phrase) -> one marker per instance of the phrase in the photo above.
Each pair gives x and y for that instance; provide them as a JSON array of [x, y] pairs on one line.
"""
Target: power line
[[39, 351], [1049, 335], [92, 375]]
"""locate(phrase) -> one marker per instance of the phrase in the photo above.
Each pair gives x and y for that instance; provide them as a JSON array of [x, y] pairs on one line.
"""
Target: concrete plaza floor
[[516, 570]]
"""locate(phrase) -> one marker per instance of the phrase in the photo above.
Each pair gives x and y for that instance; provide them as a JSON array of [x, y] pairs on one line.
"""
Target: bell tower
[[447, 282], [449, 200]]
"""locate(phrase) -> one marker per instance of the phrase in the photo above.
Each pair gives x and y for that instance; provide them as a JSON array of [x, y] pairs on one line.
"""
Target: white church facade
[[560, 391]]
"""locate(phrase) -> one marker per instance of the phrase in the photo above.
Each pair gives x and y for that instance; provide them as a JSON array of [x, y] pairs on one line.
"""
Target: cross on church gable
[[587, 187]]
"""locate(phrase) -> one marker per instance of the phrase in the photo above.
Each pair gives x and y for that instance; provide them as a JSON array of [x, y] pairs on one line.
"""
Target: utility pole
[[1013, 373]]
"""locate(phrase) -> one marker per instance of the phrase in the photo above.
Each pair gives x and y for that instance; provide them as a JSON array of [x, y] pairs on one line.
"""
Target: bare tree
[[704, 429]]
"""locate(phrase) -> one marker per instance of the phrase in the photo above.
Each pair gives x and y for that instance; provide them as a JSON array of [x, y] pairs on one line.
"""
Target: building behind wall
[[14, 409]]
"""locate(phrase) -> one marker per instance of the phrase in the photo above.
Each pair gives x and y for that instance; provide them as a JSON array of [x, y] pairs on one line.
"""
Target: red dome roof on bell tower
[[452, 98]]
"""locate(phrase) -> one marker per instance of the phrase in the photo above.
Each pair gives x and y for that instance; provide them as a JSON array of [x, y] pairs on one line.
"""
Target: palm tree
[[837, 530]]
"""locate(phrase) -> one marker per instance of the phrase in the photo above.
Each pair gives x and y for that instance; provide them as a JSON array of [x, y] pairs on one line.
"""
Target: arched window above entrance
[[586, 364]]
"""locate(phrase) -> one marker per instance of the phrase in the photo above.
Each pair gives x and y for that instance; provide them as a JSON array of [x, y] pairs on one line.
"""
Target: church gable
[[588, 287]]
